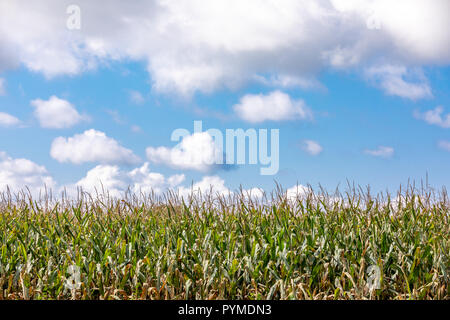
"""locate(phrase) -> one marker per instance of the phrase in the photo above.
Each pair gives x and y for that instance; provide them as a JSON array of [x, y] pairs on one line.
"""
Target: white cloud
[[297, 192], [406, 26], [102, 178], [91, 146], [381, 151], [195, 152], [203, 46], [117, 181], [2, 86], [208, 184], [444, 145], [312, 147], [342, 58], [216, 186], [254, 193], [7, 120], [435, 117], [56, 113], [392, 79], [17, 174], [146, 181], [275, 106]]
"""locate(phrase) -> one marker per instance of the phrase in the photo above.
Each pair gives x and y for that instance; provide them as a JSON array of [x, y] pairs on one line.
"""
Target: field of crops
[[315, 246]]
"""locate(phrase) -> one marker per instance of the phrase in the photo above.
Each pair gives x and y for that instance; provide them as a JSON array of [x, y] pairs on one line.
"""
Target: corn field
[[235, 246]]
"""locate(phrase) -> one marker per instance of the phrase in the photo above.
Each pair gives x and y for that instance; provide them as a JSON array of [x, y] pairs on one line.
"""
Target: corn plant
[[212, 246]]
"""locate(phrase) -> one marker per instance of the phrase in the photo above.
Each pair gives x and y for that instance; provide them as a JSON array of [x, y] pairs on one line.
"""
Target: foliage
[[210, 246]]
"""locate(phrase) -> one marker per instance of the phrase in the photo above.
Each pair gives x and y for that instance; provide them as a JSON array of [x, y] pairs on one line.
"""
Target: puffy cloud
[[91, 146], [275, 106], [444, 145], [435, 117], [406, 26], [103, 178], [116, 181], [254, 193], [7, 120], [18, 174], [146, 181], [312, 147], [297, 192], [195, 152], [56, 113], [195, 45], [392, 79], [216, 186], [2, 87], [37, 38], [381, 151], [208, 184]]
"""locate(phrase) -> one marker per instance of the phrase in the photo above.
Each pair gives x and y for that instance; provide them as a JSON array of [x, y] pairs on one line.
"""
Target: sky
[[91, 93]]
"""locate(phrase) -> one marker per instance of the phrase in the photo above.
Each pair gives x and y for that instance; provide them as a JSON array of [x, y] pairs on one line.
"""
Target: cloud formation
[[117, 181], [275, 106], [56, 113], [197, 151], [381, 151], [91, 146], [191, 46], [312, 147], [7, 120], [435, 117], [17, 174], [398, 81], [208, 184], [297, 192]]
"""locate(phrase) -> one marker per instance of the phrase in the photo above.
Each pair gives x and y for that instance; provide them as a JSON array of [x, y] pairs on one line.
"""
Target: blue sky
[[379, 114]]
